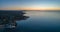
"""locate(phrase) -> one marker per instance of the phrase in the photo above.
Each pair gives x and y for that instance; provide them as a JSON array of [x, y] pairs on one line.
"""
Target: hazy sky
[[29, 4]]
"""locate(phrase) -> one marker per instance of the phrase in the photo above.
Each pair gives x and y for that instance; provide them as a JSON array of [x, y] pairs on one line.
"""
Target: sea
[[38, 21]]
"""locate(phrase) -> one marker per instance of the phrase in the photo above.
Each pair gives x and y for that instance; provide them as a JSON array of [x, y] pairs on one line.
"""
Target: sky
[[29, 4]]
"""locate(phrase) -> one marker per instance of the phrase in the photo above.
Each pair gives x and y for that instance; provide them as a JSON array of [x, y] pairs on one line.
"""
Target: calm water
[[38, 22]]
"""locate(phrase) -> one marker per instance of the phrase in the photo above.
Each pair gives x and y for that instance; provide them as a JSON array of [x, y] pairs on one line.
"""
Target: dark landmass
[[10, 17]]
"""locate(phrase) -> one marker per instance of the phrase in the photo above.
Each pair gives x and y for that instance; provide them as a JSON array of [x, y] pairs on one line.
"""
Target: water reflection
[[38, 22]]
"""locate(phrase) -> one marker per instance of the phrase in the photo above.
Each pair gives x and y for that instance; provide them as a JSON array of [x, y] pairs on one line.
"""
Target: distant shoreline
[[34, 10]]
